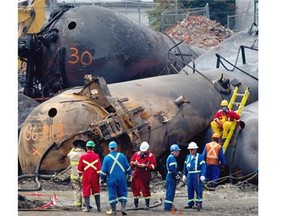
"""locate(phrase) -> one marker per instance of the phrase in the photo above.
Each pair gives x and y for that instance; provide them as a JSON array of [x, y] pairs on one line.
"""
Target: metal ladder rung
[[236, 103], [240, 106]]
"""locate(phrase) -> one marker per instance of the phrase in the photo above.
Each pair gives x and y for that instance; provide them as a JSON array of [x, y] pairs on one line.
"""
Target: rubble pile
[[199, 31]]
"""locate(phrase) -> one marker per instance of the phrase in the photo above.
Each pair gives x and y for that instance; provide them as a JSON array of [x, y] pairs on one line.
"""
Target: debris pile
[[199, 31]]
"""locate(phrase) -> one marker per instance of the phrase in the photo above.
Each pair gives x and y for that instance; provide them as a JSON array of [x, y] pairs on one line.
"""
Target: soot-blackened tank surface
[[99, 41]]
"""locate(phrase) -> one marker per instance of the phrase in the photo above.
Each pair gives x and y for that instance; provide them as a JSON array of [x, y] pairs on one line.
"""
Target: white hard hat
[[192, 145], [144, 146]]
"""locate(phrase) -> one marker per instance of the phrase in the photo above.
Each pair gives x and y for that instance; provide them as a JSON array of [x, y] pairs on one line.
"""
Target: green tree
[[155, 15], [218, 9]]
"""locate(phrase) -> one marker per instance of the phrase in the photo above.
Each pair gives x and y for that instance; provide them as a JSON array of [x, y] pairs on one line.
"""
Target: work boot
[[123, 208], [97, 201], [113, 208], [136, 202], [198, 206], [147, 202], [190, 205], [87, 204]]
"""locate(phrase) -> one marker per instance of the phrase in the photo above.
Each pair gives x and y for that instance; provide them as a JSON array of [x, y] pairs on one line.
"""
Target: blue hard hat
[[175, 147], [112, 144]]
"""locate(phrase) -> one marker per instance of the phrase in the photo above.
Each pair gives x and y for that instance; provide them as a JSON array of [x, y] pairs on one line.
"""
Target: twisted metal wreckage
[[113, 47], [162, 110]]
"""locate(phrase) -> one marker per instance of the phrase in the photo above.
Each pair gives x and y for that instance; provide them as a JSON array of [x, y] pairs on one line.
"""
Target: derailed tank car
[[161, 110], [242, 153], [97, 41]]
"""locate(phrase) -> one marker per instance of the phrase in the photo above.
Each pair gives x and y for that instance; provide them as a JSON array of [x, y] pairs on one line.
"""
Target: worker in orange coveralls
[[89, 168], [143, 163], [223, 120]]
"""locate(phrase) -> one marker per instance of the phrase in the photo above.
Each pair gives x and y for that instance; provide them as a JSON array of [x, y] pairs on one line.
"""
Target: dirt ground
[[227, 199]]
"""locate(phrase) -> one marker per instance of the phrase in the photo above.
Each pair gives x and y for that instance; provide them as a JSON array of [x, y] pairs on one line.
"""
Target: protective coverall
[[74, 156], [222, 122], [90, 166], [194, 167], [172, 168], [212, 154], [115, 168], [141, 176]]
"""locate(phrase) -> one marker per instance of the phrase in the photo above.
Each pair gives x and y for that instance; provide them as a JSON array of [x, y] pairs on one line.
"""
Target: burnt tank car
[[161, 110], [98, 41], [175, 108]]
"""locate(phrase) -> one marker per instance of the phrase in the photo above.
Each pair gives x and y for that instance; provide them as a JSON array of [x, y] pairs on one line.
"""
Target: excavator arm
[[31, 18]]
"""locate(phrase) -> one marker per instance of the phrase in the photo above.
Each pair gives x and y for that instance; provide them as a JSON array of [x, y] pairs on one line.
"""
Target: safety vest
[[74, 156], [212, 150]]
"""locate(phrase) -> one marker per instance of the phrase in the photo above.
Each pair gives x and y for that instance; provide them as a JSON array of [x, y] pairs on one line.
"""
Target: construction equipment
[[240, 106], [31, 18]]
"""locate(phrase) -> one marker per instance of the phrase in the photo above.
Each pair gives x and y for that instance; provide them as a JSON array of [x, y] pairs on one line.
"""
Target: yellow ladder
[[240, 106]]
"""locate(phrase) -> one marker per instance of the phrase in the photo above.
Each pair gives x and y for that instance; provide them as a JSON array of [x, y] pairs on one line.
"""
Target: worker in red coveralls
[[143, 163], [89, 168], [223, 120], [214, 158]]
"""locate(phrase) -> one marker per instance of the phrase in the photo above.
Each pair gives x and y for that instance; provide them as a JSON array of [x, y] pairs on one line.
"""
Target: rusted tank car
[[161, 110], [98, 41]]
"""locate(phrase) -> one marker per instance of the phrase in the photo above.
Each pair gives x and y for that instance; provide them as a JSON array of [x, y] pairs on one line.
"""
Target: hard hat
[[175, 147], [90, 144], [192, 145], [224, 103], [112, 144], [144, 146], [216, 135]]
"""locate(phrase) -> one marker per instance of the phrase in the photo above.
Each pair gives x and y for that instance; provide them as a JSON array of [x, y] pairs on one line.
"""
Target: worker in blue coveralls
[[116, 171], [171, 177], [195, 170]]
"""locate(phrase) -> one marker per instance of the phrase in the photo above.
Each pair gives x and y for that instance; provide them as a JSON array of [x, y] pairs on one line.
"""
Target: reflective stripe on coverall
[[90, 166], [115, 168], [141, 177], [213, 153], [226, 119], [172, 167], [74, 156], [194, 167]]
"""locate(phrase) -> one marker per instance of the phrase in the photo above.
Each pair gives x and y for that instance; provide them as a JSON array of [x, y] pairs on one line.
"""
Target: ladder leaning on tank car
[[240, 106]]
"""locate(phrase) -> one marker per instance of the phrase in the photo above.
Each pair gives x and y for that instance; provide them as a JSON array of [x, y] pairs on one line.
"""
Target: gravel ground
[[227, 199]]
